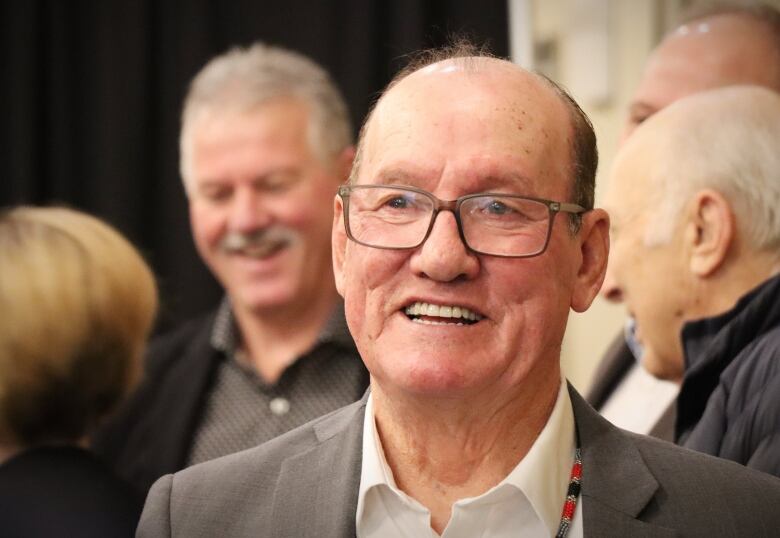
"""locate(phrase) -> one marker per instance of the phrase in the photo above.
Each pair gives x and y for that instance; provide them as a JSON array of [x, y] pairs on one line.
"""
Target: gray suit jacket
[[305, 484]]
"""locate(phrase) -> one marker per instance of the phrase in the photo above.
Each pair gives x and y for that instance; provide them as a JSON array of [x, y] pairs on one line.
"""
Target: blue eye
[[496, 207], [399, 202]]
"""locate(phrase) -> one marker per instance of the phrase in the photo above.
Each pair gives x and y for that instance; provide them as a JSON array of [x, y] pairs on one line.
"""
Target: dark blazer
[[610, 373], [305, 484], [64, 491], [152, 433]]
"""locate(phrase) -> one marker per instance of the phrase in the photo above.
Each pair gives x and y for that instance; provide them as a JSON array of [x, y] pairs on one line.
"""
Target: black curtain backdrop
[[92, 92]]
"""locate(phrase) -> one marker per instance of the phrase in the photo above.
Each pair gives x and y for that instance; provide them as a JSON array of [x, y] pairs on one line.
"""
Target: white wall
[[596, 49]]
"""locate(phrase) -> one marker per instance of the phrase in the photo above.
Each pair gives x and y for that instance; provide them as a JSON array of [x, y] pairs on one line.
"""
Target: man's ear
[[709, 231], [594, 251], [338, 239]]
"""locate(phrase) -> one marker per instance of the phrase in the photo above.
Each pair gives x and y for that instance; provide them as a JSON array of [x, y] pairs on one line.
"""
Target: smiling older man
[[471, 197]]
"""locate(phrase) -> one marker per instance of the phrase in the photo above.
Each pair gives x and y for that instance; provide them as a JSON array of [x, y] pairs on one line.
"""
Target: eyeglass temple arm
[[568, 208]]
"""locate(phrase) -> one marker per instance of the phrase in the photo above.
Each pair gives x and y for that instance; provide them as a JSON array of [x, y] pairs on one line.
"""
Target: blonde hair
[[78, 302]]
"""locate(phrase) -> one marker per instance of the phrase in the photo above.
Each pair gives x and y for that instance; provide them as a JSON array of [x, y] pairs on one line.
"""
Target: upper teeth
[[441, 311]]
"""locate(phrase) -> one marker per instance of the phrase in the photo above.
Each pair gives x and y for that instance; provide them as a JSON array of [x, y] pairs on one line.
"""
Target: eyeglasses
[[506, 225]]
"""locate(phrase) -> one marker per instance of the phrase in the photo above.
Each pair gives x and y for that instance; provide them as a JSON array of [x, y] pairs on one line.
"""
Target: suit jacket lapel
[[617, 485], [323, 502]]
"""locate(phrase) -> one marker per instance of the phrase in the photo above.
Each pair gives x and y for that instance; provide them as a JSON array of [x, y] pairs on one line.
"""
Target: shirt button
[[279, 406]]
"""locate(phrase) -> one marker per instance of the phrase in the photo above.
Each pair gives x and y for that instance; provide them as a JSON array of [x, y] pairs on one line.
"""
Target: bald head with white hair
[[694, 196]]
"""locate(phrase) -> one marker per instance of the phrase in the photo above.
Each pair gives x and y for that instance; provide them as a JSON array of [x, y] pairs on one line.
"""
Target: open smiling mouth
[[254, 248], [264, 249], [432, 314]]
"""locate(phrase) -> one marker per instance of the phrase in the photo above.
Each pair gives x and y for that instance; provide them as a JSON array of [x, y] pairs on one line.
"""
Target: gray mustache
[[258, 242]]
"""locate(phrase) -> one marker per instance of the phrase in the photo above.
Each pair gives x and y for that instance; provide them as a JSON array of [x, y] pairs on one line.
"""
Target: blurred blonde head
[[78, 302]]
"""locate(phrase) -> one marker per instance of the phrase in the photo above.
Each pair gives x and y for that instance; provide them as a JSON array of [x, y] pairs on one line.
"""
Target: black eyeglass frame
[[453, 206]]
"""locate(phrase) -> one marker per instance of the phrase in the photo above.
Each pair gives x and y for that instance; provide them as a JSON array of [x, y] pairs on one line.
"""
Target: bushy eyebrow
[[290, 172], [400, 176], [514, 182]]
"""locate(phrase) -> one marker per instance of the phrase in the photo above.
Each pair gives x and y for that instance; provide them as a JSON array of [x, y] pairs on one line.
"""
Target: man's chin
[[428, 374], [660, 368], [253, 266], [263, 299]]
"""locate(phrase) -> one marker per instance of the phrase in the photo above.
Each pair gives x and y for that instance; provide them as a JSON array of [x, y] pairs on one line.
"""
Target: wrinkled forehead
[[487, 116]]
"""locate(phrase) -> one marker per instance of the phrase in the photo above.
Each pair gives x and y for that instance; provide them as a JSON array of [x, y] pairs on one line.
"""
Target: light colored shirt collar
[[542, 477]]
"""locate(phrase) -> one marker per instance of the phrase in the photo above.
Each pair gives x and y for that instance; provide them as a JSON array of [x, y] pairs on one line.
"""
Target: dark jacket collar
[[711, 344], [225, 337], [756, 312]]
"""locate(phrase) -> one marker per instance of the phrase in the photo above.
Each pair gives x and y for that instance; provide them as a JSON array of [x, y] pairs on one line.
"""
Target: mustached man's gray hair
[[243, 78]]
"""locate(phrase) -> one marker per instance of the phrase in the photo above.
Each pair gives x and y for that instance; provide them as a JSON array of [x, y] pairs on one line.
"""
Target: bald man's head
[[467, 57], [722, 49], [693, 196]]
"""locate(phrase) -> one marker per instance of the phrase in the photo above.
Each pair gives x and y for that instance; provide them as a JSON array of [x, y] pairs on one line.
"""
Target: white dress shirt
[[639, 400], [527, 503]]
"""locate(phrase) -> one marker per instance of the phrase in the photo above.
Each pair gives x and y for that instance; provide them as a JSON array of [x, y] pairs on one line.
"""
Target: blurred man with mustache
[[265, 141]]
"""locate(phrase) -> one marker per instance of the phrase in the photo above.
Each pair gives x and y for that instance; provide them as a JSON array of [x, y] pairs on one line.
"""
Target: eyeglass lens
[[389, 217]]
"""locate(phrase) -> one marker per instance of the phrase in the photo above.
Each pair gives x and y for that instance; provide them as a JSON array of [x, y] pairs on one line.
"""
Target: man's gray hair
[[243, 78], [728, 140]]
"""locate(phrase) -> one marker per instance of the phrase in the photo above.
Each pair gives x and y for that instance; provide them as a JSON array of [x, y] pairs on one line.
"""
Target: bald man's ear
[[594, 251], [339, 244], [709, 232]]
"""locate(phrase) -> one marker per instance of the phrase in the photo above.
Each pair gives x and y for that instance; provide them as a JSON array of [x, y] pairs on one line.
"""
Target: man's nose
[[443, 257], [248, 212], [610, 289]]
